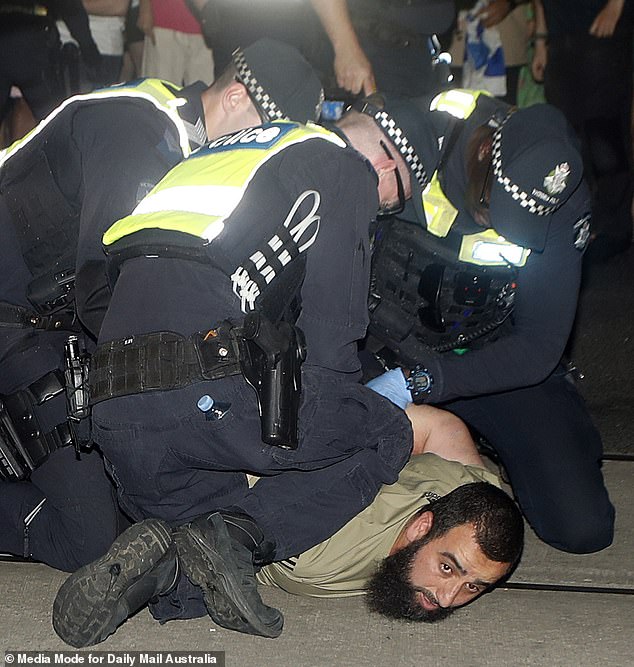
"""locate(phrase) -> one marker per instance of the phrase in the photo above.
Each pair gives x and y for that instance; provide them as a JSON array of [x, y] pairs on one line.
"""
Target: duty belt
[[161, 361]]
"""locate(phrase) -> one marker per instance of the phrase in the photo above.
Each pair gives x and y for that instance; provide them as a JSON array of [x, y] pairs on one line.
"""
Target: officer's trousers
[[552, 453], [170, 461], [66, 514]]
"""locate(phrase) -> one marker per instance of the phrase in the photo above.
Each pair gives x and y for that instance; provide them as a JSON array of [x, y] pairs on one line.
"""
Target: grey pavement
[[572, 611]]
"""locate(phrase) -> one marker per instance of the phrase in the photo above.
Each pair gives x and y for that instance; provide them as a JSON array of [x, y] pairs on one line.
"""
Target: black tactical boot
[[217, 553], [94, 601]]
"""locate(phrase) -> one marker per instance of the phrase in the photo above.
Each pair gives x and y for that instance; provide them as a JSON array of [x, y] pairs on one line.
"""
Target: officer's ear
[[420, 526], [235, 98]]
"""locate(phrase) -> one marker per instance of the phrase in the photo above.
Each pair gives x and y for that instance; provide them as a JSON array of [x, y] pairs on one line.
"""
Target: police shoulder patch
[[260, 137], [582, 232]]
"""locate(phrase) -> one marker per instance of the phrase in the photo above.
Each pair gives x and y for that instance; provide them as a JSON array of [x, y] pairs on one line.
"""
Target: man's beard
[[391, 594]]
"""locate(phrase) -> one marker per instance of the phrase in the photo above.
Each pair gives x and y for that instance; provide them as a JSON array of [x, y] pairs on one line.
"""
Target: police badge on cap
[[537, 166]]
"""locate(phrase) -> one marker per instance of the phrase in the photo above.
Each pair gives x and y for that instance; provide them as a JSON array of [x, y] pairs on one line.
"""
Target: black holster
[[23, 443], [270, 359]]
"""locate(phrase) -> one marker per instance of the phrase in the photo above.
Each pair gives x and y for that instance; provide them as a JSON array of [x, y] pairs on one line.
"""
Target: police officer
[[257, 242], [475, 294], [81, 168]]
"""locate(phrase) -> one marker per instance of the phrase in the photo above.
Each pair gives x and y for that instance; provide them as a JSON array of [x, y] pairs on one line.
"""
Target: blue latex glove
[[393, 385]]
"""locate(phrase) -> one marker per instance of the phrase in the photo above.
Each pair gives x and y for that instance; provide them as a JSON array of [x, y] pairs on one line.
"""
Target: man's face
[[427, 579]]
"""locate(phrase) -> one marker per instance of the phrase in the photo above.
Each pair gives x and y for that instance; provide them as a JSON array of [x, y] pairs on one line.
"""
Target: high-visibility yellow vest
[[154, 91], [485, 248], [200, 193]]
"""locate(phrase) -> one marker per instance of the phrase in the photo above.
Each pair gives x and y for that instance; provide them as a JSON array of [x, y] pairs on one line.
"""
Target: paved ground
[[584, 619]]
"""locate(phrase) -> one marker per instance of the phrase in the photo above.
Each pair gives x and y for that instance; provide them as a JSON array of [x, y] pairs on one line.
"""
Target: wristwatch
[[420, 382]]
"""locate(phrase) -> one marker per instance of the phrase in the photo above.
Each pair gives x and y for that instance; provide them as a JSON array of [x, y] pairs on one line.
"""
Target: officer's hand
[[393, 385]]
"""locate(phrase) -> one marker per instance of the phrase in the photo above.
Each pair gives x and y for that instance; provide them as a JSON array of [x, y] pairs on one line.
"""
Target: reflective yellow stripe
[[152, 90], [458, 102], [488, 248], [214, 200], [439, 211], [215, 181]]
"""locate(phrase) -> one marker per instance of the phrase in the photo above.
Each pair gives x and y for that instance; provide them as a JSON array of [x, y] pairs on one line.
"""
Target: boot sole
[[210, 567], [88, 606]]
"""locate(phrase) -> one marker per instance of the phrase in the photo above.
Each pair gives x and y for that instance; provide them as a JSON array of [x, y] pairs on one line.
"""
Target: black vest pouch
[[47, 227], [424, 298]]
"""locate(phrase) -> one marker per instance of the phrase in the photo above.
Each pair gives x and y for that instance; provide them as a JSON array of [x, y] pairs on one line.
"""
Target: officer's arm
[[546, 302], [334, 293]]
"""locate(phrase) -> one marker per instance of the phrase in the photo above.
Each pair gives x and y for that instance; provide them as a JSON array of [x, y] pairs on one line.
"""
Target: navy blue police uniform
[[169, 459], [86, 165], [484, 320], [65, 179]]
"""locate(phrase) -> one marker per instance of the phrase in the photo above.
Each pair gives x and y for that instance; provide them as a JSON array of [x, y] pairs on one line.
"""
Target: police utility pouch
[[270, 359]]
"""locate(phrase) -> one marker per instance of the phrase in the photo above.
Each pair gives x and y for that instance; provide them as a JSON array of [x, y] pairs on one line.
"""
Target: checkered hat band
[[258, 94], [399, 139], [522, 198]]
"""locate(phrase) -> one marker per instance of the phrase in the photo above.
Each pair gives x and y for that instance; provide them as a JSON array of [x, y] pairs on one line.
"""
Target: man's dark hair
[[498, 523]]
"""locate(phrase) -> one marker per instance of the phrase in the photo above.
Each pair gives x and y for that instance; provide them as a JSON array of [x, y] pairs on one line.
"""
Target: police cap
[[281, 83], [536, 166], [401, 120]]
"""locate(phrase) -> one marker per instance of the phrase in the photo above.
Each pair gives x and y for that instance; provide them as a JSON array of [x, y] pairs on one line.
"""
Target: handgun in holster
[[270, 359], [76, 363]]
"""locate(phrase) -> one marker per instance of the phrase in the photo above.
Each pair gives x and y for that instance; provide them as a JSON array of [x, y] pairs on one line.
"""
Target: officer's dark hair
[[227, 77], [498, 523]]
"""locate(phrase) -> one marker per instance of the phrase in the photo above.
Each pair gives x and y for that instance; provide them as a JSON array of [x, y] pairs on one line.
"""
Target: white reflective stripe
[[172, 114], [214, 229], [33, 513], [485, 251], [216, 200], [298, 230], [246, 287]]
